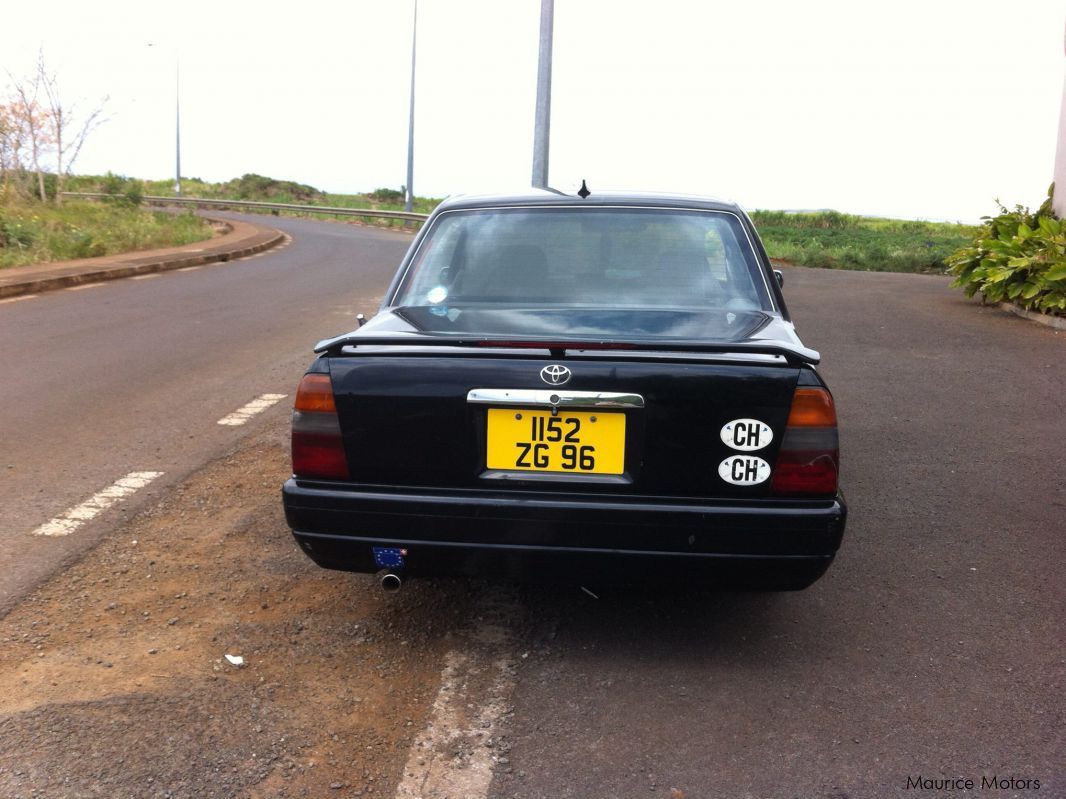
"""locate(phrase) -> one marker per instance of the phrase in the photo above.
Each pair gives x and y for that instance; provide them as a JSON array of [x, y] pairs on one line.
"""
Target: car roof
[[549, 197]]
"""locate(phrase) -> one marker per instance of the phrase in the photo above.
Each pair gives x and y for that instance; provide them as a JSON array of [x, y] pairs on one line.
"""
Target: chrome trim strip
[[555, 477], [553, 398]]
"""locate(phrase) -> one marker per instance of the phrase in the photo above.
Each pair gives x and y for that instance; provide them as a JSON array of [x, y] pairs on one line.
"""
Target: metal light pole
[[542, 120], [177, 123], [410, 191], [177, 128]]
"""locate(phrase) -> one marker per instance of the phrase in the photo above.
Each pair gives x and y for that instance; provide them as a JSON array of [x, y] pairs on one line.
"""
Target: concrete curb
[[1057, 322], [244, 238]]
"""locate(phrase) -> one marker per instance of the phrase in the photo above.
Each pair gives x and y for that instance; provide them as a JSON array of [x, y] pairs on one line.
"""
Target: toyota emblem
[[555, 374]]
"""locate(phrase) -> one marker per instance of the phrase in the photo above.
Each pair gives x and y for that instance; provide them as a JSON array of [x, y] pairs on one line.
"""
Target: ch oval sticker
[[744, 470], [746, 435]]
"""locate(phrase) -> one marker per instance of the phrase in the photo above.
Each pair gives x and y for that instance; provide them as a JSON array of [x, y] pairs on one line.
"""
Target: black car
[[595, 387]]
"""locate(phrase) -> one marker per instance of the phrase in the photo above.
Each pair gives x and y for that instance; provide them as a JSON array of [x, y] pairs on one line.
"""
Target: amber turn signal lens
[[812, 407], [315, 394]]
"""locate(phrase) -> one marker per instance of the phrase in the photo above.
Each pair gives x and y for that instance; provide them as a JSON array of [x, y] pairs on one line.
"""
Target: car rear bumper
[[781, 542]]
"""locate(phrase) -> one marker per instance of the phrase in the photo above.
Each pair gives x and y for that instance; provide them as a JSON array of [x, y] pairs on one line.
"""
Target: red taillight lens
[[809, 461], [317, 446]]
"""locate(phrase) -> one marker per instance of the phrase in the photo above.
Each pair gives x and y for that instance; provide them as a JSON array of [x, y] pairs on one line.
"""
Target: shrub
[[1017, 256], [51, 185], [264, 189], [134, 193], [14, 234], [121, 189], [387, 196]]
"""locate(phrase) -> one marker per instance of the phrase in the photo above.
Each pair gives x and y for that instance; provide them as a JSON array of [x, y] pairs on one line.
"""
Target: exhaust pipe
[[391, 582]]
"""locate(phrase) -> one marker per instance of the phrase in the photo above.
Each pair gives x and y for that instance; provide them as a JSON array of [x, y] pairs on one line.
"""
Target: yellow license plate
[[571, 442]]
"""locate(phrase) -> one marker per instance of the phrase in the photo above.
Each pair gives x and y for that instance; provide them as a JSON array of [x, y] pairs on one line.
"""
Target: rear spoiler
[[793, 353]]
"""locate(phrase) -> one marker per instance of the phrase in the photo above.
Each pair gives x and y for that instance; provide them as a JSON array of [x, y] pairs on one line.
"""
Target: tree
[[10, 145], [32, 122], [67, 133], [38, 120]]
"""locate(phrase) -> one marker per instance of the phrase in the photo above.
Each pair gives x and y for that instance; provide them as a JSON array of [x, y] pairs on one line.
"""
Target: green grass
[[833, 240], [33, 232], [258, 188]]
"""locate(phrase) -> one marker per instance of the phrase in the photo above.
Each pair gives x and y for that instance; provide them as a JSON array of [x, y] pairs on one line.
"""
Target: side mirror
[[780, 277], [360, 319]]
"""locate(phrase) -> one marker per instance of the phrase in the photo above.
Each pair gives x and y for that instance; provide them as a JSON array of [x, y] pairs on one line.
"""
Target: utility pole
[[1058, 202], [177, 128], [542, 120], [410, 191]]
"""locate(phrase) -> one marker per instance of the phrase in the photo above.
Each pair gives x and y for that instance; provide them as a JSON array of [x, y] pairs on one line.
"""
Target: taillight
[[317, 447], [809, 461]]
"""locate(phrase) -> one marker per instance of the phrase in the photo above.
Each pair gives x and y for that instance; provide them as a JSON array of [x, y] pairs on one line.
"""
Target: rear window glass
[[594, 258]]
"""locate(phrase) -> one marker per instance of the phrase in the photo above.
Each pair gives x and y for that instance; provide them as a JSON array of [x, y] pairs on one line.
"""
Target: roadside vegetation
[[832, 240], [33, 232], [41, 136], [823, 238], [258, 188], [1017, 256]]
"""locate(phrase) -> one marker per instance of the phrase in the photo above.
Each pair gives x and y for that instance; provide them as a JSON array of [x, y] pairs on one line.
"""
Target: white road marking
[[74, 518], [18, 299], [145, 277], [84, 286], [242, 415], [189, 268], [455, 754]]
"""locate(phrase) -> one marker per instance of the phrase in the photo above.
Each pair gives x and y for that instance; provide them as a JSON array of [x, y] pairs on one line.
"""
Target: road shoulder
[[334, 680]]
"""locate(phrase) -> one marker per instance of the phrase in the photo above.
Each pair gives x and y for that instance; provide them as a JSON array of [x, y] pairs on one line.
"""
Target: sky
[[927, 110]]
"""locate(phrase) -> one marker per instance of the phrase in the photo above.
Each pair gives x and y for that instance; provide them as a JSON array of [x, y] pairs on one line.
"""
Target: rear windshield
[[586, 258]]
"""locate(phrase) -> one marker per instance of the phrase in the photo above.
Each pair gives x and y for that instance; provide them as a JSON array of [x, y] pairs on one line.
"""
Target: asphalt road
[[933, 648], [133, 375]]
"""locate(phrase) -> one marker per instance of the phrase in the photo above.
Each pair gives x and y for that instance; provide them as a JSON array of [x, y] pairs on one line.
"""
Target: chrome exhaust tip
[[391, 582]]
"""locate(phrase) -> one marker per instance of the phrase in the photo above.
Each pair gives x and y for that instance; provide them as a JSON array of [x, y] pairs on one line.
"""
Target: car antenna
[[583, 192]]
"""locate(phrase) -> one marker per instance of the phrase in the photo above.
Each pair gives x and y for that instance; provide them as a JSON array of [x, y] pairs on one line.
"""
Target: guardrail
[[199, 202]]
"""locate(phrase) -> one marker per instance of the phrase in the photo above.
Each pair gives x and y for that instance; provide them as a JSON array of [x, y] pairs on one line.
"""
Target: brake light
[[557, 345], [809, 460], [317, 446]]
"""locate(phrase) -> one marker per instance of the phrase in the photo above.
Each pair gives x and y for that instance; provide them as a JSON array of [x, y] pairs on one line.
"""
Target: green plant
[[134, 193], [1017, 256], [832, 240], [387, 196], [14, 234], [264, 189], [119, 188], [36, 232]]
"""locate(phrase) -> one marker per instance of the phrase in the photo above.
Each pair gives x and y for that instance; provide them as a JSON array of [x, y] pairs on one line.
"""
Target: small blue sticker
[[388, 557]]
